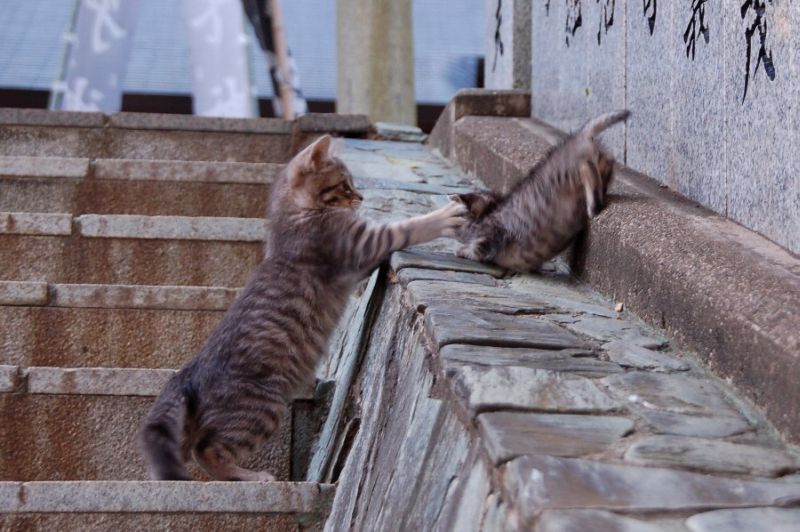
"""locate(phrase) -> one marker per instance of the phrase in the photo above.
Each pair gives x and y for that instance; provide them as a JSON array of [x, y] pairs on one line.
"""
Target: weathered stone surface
[[711, 456], [613, 329], [43, 117], [702, 426], [451, 325], [563, 293], [198, 123], [507, 435], [186, 171], [508, 44], [26, 293], [99, 381], [772, 519], [406, 275], [131, 496], [103, 522], [465, 507], [494, 388], [437, 261], [44, 167], [142, 297], [601, 520], [35, 224], [628, 354], [580, 361], [543, 482], [9, 376], [171, 227], [399, 132], [427, 293]]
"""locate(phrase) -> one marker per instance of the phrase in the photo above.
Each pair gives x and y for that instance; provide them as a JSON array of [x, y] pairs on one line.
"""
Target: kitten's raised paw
[[453, 217]]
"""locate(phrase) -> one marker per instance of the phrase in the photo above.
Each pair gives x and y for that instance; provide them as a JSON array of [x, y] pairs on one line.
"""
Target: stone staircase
[[123, 239], [454, 397]]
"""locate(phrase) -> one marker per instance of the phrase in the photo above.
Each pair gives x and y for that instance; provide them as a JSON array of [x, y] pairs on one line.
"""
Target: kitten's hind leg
[[220, 463]]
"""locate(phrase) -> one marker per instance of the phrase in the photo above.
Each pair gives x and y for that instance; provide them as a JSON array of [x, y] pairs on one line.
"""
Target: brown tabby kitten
[[231, 396], [539, 217]]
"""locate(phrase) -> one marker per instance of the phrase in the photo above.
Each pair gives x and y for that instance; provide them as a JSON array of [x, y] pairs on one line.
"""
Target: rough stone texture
[[93, 437], [694, 266], [606, 329], [349, 125], [508, 435], [175, 122], [484, 389], [436, 261], [406, 275], [35, 224], [399, 132], [186, 171], [580, 520], [97, 381], [178, 522], [701, 426], [9, 376], [507, 55], [630, 355], [23, 293], [772, 519], [42, 117], [440, 294], [544, 482], [171, 227], [142, 297], [711, 456], [44, 167], [579, 361], [128, 260]]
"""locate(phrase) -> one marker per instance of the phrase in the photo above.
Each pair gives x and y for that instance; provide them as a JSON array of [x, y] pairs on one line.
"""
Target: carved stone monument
[[508, 44]]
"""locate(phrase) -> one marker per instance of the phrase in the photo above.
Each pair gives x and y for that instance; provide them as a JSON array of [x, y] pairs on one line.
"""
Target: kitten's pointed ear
[[318, 153]]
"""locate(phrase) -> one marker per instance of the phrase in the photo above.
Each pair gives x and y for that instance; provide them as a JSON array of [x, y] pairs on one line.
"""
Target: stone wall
[[712, 87]]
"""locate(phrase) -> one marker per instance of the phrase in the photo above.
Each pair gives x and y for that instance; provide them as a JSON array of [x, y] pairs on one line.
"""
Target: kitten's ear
[[316, 154], [336, 147]]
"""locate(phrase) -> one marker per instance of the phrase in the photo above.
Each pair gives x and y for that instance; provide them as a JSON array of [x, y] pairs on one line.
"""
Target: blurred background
[[161, 55]]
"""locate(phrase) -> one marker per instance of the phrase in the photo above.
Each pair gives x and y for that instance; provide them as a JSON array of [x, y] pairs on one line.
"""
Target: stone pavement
[[454, 397]]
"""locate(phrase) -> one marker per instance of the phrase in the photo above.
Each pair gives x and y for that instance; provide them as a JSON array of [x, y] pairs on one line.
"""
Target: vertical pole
[[282, 59], [375, 60]]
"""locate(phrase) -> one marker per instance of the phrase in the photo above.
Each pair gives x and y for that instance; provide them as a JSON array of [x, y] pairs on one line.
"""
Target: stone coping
[[35, 223], [44, 167], [36, 293], [43, 117], [171, 227], [173, 122], [164, 497], [722, 290]]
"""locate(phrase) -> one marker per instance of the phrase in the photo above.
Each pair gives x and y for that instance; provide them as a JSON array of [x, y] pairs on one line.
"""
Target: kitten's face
[[479, 203], [319, 180]]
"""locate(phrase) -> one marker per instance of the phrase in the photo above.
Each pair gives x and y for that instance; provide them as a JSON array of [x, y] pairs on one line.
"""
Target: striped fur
[[543, 213], [226, 401]]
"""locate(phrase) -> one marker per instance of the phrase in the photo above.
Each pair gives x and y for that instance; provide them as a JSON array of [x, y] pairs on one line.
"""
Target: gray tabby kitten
[[539, 217], [230, 397]]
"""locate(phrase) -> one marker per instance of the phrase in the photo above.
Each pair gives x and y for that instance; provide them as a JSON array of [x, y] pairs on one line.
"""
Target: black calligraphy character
[[547, 8], [698, 19], [574, 18], [498, 39], [759, 7], [606, 21], [651, 7]]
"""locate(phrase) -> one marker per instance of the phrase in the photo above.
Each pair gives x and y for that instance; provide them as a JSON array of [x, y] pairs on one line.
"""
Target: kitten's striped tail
[[597, 125], [160, 436]]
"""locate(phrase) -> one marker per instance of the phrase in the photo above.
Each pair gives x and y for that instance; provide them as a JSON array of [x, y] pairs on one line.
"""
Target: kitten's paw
[[263, 476], [452, 216]]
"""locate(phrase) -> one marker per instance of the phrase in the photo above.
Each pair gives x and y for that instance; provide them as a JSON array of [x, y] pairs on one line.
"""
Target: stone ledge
[[171, 227], [46, 167], [9, 375], [23, 293], [43, 117], [720, 289], [183, 171], [142, 297], [97, 381], [164, 497], [333, 123], [35, 223], [159, 121]]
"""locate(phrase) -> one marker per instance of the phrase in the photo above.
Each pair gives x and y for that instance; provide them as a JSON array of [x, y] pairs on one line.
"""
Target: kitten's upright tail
[[160, 436], [597, 125]]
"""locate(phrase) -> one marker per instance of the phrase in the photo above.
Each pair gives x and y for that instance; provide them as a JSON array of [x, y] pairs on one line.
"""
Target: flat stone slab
[[35, 223], [507, 435], [544, 482], [142, 297], [45, 117], [168, 497], [399, 132], [701, 426], [571, 298], [515, 388], [452, 294], [608, 330], [771, 519], [97, 381], [451, 324], [23, 293], [172, 227], [199, 123], [406, 275], [9, 375], [601, 520], [631, 355], [580, 361], [439, 261], [44, 167], [711, 456], [186, 171]]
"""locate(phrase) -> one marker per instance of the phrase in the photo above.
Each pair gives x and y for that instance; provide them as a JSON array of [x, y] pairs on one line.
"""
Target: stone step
[[129, 249], [79, 185], [74, 325], [136, 505], [81, 424]]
